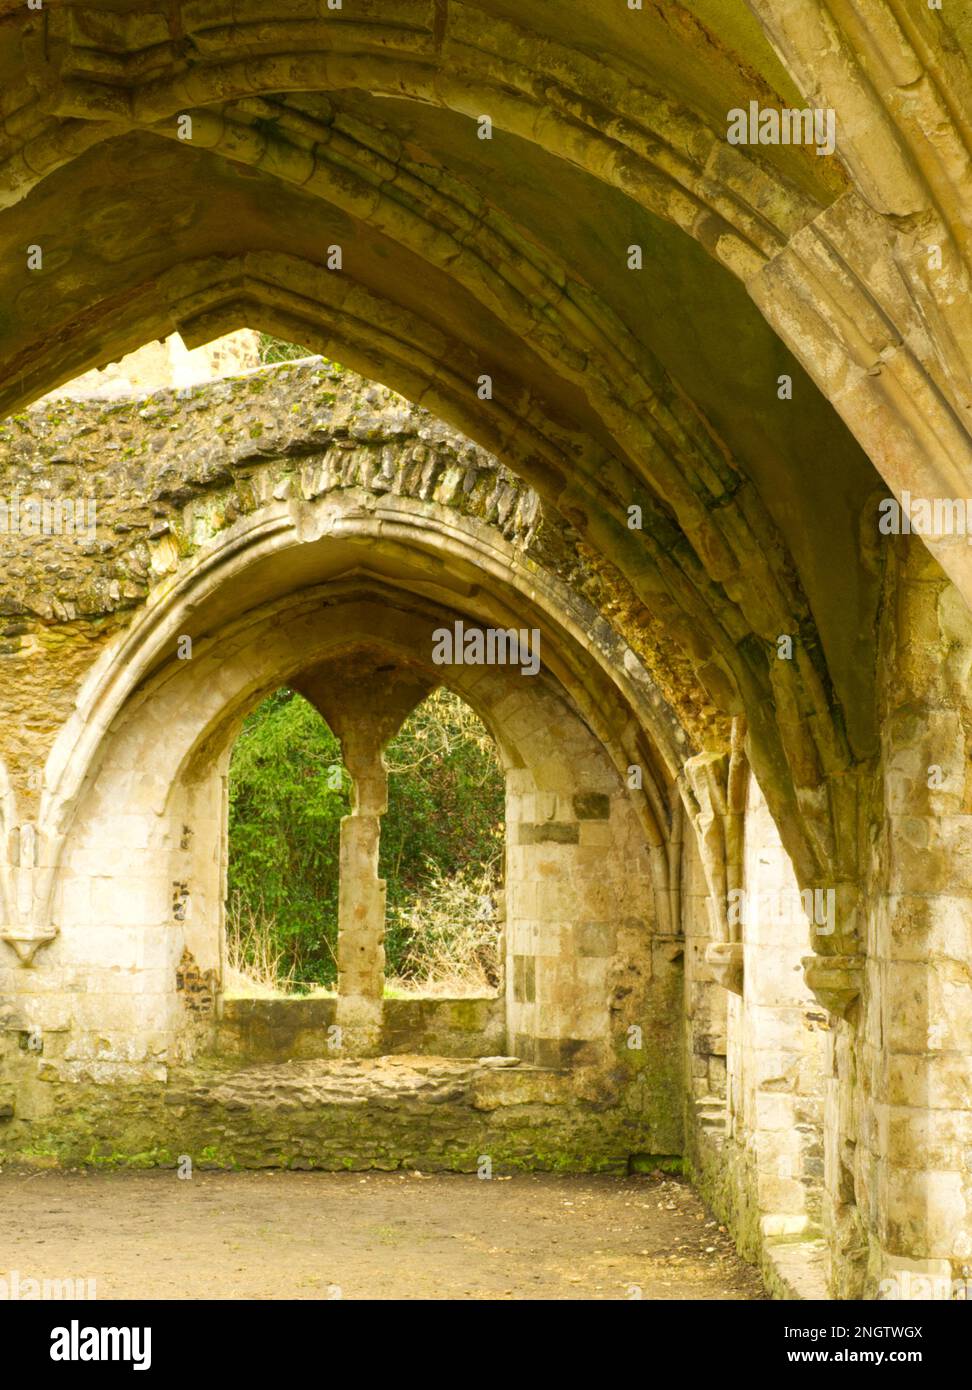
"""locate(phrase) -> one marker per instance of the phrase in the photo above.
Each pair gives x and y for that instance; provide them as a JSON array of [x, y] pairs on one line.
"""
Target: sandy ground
[[259, 1235]]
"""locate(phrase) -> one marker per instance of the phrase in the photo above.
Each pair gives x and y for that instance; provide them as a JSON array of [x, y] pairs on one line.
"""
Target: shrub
[[451, 934], [284, 838], [276, 350], [441, 845]]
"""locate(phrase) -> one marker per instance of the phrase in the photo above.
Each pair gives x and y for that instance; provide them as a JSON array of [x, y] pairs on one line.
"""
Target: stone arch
[[692, 570], [690, 590], [187, 603], [164, 887], [835, 257], [683, 158]]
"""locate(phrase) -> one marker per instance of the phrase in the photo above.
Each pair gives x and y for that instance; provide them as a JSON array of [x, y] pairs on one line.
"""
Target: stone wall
[[278, 1030], [426, 1113], [899, 1168], [299, 526], [167, 363], [757, 1148]]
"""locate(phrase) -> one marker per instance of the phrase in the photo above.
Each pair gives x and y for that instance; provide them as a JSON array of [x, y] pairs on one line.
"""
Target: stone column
[[779, 1038], [361, 900], [911, 1165], [716, 796], [365, 698]]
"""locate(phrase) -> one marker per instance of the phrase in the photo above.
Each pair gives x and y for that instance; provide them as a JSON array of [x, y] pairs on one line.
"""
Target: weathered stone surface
[[404, 1112], [702, 365]]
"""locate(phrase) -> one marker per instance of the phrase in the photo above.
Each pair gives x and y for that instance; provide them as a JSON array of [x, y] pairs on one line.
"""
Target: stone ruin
[[649, 391]]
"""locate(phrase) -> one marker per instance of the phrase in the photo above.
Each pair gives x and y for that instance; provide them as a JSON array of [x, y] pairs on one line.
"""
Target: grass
[[453, 950], [255, 968], [454, 938]]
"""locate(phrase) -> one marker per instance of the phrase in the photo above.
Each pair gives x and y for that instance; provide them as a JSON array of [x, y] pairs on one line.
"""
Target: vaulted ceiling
[[509, 257]]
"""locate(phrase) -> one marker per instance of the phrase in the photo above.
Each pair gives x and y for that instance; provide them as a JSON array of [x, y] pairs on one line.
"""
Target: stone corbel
[[836, 981], [27, 941], [835, 972], [725, 960], [26, 894]]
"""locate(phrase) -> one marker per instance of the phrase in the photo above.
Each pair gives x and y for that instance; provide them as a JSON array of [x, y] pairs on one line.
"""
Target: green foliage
[[276, 350], [273, 350], [288, 793], [284, 828], [446, 796]]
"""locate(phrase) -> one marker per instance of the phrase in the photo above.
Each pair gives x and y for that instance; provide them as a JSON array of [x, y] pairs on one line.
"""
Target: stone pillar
[[361, 900], [911, 1111], [780, 1036], [365, 699], [578, 882], [715, 795]]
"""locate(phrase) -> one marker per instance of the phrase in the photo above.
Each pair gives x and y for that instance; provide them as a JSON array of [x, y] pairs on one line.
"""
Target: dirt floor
[[255, 1235]]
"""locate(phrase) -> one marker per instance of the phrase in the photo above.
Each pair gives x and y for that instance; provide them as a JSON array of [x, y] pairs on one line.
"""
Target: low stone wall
[[429, 1113], [444, 1027], [280, 1030]]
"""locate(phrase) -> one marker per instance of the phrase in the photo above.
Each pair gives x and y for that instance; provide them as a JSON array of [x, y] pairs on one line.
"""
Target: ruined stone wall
[[153, 477], [285, 523], [757, 1055], [431, 1114], [899, 1096], [346, 519], [841, 1152], [167, 363]]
